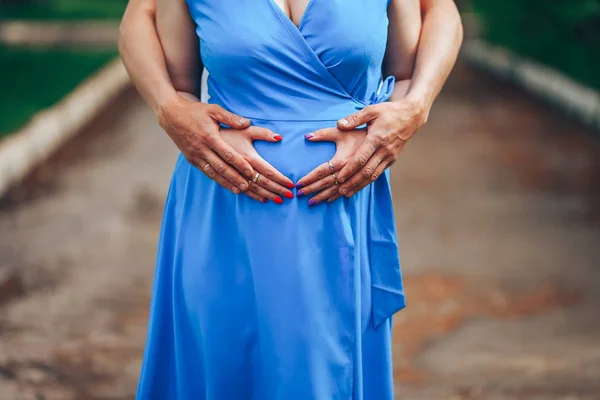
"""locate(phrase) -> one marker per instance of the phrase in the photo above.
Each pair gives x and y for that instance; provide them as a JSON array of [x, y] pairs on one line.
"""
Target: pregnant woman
[[262, 293]]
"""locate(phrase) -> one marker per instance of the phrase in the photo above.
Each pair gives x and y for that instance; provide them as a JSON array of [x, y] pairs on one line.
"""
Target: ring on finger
[[206, 167], [331, 167], [335, 180], [255, 179]]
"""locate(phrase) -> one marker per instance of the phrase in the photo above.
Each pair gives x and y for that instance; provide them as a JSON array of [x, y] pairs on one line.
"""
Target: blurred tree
[[564, 34]]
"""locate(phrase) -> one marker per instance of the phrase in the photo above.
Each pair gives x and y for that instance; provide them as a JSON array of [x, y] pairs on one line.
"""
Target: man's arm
[[441, 38], [142, 53]]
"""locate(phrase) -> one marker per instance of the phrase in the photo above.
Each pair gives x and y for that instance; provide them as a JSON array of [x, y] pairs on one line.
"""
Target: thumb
[[228, 118], [268, 135], [357, 119], [323, 135]]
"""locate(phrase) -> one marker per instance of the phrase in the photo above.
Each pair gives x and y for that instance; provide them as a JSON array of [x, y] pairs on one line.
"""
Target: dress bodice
[[262, 66]]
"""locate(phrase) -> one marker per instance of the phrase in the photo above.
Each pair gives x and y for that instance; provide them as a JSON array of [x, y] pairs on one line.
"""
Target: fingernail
[[263, 199], [277, 137], [289, 195], [300, 193], [344, 122], [278, 200], [312, 202], [243, 121], [236, 190], [342, 190], [299, 185], [290, 185], [244, 186], [309, 135]]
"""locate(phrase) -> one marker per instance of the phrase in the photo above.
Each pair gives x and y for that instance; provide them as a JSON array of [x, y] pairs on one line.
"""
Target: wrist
[[163, 102], [421, 103]]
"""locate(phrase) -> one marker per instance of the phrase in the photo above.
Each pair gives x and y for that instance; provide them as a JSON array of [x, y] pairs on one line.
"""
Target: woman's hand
[[270, 183], [389, 126], [195, 130], [323, 178]]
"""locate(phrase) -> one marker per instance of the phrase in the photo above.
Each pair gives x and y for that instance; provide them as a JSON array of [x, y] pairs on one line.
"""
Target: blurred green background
[[41, 74], [62, 9], [564, 34]]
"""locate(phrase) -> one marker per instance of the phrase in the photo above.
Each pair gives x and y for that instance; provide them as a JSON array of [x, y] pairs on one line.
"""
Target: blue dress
[[256, 301]]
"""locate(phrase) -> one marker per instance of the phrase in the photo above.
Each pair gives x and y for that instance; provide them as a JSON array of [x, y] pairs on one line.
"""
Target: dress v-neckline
[[289, 18]]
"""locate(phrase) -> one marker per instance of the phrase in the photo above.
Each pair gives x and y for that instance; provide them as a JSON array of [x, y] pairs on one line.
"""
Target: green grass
[[63, 9], [34, 79]]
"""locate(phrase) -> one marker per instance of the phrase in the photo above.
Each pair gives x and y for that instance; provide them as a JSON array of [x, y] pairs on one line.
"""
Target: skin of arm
[[390, 125]]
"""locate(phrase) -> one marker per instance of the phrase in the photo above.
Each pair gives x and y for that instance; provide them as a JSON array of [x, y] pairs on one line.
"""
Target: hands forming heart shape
[[228, 155]]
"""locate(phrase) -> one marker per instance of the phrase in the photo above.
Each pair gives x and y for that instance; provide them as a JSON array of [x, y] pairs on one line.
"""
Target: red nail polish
[[278, 200], [290, 185], [277, 137], [263, 199], [289, 195]]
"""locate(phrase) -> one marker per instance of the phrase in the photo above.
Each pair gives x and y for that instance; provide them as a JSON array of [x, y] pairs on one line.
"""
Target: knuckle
[[362, 159], [228, 155], [320, 173], [367, 172], [374, 176], [269, 174], [219, 167]]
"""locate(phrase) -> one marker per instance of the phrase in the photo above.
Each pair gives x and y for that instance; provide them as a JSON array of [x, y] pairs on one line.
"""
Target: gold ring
[[255, 179], [335, 180], [205, 167]]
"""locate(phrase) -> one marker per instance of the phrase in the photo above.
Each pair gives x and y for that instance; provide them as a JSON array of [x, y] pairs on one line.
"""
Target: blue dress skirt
[[256, 301]]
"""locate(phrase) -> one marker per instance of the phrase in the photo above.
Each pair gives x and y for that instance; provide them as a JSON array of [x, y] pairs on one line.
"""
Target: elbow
[[121, 39], [123, 35], [459, 29]]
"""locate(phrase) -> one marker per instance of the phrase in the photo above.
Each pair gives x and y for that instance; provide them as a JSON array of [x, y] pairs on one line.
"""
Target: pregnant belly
[[295, 156]]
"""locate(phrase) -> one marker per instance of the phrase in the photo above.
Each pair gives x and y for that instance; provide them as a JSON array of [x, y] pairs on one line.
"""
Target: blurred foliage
[[62, 9], [39, 78], [564, 34]]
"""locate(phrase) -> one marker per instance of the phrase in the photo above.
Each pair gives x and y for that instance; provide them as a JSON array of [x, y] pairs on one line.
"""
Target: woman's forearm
[[441, 38], [142, 54]]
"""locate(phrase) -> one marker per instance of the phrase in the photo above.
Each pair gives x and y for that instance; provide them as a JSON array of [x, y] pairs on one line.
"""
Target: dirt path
[[497, 204]]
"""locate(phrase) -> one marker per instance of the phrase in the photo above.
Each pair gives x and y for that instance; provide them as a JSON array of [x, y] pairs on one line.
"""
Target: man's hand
[[389, 127], [194, 128]]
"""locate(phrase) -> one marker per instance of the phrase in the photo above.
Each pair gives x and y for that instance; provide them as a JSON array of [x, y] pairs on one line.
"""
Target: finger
[[271, 173], [255, 196], [272, 186], [231, 157], [321, 184], [336, 195], [323, 135], [367, 172], [257, 133], [322, 171], [254, 187], [207, 170], [359, 160], [322, 196], [352, 121], [221, 168], [220, 114], [372, 177]]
